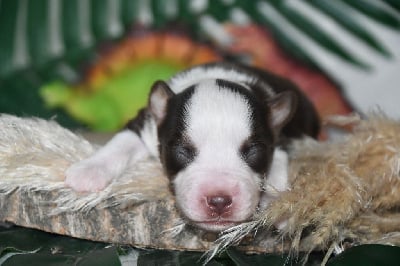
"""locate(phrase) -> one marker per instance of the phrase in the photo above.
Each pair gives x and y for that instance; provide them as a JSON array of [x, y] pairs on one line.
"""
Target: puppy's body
[[218, 130]]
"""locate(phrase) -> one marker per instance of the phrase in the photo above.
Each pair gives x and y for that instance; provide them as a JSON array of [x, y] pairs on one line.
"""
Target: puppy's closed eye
[[255, 154], [183, 154], [180, 155]]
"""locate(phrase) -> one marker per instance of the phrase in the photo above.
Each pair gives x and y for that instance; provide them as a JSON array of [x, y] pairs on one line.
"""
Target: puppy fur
[[220, 131]]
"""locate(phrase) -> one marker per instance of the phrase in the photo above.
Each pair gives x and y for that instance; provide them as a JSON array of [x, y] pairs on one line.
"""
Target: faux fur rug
[[343, 192], [35, 153]]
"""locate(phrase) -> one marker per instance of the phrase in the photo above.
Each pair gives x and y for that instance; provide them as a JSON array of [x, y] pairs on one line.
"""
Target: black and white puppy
[[218, 130]]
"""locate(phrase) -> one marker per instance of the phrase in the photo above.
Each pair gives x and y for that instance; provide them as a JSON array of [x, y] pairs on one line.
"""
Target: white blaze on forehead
[[195, 75], [218, 121]]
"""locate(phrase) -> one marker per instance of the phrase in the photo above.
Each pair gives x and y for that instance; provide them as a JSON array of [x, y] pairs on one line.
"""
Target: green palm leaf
[[374, 11], [32, 34], [394, 4], [316, 33], [284, 39], [350, 24]]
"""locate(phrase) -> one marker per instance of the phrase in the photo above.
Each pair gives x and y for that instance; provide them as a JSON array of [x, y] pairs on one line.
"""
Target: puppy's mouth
[[215, 225]]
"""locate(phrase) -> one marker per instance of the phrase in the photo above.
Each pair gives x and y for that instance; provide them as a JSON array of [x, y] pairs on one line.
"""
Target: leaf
[[350, 24], [8, 27], [394, 4], [75, 28], [106, 20], [167, 258], [218, 9], [43, 38], [160, 14], [34, 247], [288, 43], [8, 252], [37, 260], [180, 258], [367, 255], [317, 34], [129, 12], [375, 12], [106, 256], [241, 259]]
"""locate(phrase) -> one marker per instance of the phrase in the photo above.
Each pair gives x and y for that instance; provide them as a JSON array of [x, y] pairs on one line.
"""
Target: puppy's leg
[[277, 179], [95, 172]]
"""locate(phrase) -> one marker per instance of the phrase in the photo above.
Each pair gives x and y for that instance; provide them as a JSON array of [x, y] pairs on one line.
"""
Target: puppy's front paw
[[88, 176]]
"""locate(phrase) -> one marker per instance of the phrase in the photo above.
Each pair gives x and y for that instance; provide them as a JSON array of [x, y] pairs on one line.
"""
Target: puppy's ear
[[159, 95], [282, 107]]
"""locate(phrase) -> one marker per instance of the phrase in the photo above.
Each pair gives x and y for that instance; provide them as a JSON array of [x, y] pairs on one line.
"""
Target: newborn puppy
[[219, 131]]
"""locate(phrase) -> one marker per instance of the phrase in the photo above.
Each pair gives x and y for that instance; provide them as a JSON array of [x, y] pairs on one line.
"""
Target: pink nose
[[219, 204]]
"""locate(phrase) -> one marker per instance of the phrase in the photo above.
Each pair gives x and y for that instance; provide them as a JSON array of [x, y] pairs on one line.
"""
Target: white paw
[[88, 176]]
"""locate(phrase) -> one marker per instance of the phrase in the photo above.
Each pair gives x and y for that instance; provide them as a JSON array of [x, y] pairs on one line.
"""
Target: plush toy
[[343, 192]]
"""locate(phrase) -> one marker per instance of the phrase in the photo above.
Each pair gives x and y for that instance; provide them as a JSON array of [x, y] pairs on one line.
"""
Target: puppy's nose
[[219, 204]]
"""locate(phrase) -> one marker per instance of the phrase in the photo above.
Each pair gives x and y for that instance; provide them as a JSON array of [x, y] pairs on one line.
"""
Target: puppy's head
[[216, 140]]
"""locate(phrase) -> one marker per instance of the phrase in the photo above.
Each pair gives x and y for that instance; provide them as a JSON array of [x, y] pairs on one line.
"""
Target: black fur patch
[[176, 151], [256, 151], [137, 124]]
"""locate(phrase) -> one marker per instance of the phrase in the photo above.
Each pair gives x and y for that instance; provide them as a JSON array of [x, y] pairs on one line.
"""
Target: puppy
[[219, 131]]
